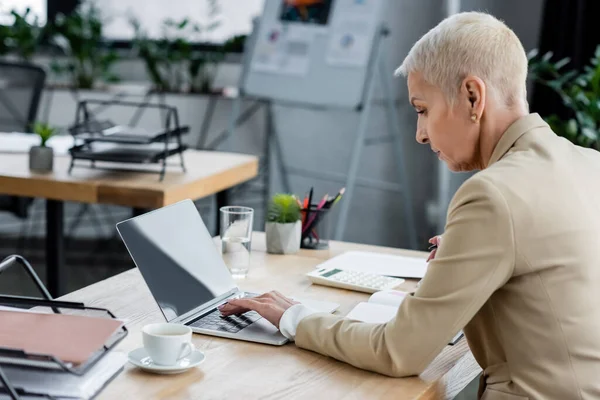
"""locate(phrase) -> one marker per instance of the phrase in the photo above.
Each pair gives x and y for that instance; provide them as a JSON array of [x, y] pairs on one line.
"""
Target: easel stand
[[378, 69], [272, 144]]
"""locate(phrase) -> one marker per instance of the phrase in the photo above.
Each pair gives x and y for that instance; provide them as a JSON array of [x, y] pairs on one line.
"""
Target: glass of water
[[236, 239]]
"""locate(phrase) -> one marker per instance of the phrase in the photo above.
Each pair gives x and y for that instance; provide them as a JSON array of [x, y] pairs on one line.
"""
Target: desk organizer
[[17, 357], [315, 229], [104, 141]]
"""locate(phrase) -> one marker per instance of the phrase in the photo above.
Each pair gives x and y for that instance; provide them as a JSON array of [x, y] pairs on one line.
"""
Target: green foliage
[[235, 44], [579, 91], [5, 37], [23, 37], [80, 37], [44, 131], [172, 61], [283, 209]]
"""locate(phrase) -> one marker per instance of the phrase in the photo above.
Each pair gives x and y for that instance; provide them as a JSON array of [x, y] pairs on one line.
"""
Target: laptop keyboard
[[232, 324]]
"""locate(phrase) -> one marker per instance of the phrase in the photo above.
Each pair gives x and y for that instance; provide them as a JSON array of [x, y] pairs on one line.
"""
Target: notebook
[[380, 264], [70, 338], [382, 307], [65, 385]]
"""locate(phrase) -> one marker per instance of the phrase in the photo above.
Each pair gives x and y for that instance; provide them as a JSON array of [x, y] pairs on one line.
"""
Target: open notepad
[[382, 307]]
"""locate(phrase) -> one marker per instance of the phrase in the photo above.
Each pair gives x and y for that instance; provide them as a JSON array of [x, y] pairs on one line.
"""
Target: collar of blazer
[[514, 132]]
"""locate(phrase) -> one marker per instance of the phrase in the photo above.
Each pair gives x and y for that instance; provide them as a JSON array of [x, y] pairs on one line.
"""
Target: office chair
[[21, 86]]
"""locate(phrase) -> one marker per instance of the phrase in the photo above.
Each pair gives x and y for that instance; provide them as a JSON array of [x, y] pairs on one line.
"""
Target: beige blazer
[[518, 269]]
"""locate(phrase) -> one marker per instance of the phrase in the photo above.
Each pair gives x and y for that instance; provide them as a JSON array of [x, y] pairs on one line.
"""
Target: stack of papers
[[72, 339], [380, 264], [65, 385]]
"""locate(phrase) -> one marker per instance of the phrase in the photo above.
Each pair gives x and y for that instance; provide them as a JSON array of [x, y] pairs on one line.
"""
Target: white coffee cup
[[166, 344]]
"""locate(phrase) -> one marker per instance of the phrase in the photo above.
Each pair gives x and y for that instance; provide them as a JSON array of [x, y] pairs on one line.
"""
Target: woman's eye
[[420, 111]]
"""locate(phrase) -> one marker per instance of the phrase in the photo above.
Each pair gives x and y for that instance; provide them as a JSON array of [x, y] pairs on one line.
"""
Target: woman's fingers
[[431, 255], [258, 303], [284, 299], [240, 306], [436, 240]]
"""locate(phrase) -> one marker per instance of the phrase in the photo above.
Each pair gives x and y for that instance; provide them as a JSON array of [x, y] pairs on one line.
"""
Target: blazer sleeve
[[476, 257]]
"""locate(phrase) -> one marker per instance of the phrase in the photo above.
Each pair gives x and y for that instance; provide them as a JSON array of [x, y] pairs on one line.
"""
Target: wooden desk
[[235, 369], [207, 173]]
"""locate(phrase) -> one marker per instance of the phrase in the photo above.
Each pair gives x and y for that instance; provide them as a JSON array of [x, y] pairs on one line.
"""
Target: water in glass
[[236, 254]]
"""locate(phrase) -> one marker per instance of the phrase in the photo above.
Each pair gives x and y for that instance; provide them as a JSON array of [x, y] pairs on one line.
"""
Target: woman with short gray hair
[[517, 267]]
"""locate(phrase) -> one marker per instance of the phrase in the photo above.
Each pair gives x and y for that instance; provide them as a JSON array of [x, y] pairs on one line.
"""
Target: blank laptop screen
[[177, 258]]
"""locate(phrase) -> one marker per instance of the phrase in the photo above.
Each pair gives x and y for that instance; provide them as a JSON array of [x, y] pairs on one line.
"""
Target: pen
[[311, 220], [309, 205]]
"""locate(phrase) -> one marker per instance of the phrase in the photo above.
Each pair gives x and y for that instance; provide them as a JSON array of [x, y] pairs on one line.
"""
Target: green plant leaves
[[80, 37], [172, 61], [44, 131], [23, 37], [579, 91], [283, 209]]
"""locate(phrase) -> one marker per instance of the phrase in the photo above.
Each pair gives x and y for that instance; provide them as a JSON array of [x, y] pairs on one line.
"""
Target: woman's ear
[[474, 90]]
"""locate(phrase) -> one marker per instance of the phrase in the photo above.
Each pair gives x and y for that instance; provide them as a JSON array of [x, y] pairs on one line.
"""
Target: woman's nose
[[422, 137]]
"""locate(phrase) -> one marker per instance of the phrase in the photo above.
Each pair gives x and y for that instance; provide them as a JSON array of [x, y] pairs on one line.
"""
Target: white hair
[[471, 43]]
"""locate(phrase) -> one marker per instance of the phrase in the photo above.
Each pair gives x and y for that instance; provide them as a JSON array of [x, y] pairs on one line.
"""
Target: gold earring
[[474, 117]]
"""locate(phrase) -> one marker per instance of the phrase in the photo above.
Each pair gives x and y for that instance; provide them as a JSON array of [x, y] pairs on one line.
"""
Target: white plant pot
[[283, 238]]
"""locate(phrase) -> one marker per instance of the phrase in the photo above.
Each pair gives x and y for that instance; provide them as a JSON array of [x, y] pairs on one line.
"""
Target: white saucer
[[139, 357]]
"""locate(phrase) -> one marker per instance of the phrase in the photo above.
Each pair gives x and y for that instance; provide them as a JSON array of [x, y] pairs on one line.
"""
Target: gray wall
[[525, 18], [321, 140], [376, 215]]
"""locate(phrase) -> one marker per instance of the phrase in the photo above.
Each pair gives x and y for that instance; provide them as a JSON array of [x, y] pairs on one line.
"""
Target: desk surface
[[207, 173], [235, 369]]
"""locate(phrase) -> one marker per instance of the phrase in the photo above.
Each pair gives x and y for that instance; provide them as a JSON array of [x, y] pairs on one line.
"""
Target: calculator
[[353, 280]]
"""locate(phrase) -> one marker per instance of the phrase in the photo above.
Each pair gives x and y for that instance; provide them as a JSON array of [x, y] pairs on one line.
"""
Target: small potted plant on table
[[41, 158], [283, 226]]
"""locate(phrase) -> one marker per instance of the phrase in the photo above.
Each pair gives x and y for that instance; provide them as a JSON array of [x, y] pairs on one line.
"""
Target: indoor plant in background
[[41, 158], [580, 94], [283, 226], [23, 38], [175, 62], [79, 36]]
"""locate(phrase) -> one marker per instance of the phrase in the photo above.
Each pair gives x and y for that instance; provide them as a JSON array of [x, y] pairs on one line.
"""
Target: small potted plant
[[283, 227], [41, 158]]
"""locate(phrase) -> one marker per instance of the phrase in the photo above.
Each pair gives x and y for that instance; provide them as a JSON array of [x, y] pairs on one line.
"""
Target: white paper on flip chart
[[380, 264]]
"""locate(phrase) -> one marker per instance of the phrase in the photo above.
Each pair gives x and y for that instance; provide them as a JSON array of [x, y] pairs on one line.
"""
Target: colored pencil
[[336, 198], [314, 216]]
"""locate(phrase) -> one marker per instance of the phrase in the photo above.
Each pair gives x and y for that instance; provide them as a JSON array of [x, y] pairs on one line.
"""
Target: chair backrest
[[21, 86]]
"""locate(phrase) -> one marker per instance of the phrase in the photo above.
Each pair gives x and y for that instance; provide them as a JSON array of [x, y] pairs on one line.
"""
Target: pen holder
[[315, 229]]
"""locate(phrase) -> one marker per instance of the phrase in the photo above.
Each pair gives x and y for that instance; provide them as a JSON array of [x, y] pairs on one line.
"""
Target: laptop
[[187, 277]]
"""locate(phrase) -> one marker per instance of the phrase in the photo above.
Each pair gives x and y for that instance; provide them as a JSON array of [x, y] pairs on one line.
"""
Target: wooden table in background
[[236, 369], [207, 173]]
